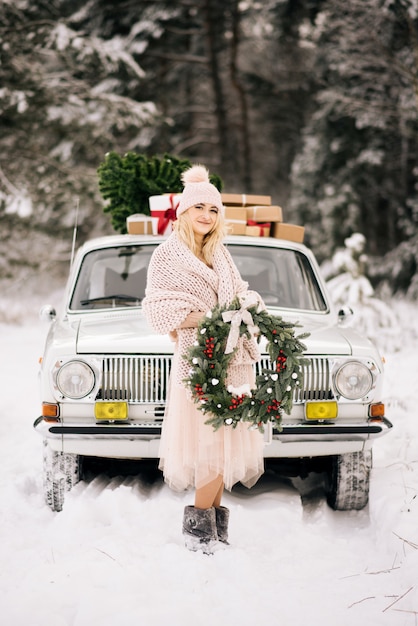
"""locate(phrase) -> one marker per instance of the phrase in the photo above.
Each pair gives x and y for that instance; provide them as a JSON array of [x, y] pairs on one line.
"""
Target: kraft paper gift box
[[291, 232], [258, 229], [242, 199], [140, 224], [236, 220], [164, 208], [260, 213]]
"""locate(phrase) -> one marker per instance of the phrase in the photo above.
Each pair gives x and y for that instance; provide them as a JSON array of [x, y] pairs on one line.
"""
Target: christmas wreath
[[213, 350]]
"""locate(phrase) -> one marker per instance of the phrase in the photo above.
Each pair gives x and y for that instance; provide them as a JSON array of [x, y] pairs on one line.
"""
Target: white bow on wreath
[[236, 318]]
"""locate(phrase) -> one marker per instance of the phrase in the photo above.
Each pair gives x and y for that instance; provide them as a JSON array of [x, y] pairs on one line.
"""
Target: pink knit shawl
[[179, 283]]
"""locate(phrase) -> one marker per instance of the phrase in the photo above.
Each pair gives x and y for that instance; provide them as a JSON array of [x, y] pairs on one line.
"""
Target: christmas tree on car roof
[[128, 181]]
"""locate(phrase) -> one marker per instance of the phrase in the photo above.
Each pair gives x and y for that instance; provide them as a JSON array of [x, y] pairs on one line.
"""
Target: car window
[[112, 277], [283, 278], [116, 277]]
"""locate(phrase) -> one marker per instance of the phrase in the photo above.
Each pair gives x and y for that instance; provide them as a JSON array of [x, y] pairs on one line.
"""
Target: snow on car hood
[[128, 333]]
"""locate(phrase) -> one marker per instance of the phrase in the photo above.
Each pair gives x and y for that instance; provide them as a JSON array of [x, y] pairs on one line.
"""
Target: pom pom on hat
[[197, 189], [196, 174]]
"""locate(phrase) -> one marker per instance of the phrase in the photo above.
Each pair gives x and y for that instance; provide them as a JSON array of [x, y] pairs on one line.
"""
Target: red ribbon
[[262, 226], [168, 216]]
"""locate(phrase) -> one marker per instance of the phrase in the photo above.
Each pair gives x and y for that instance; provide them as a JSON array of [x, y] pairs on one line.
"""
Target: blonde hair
[[211, 241]]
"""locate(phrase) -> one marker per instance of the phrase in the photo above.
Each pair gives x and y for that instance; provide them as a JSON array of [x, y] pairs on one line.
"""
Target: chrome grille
[[316, 380], [144, 379], [135, 379]]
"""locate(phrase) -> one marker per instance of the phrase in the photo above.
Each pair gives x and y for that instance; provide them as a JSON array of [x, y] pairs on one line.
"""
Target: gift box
[[164, 208], [291, 232], [260, 213], [258, 229], [242, 199], [236, 220], [140, 224]]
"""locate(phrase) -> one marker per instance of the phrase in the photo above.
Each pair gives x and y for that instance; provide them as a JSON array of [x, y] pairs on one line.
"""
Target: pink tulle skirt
[[192, 453]]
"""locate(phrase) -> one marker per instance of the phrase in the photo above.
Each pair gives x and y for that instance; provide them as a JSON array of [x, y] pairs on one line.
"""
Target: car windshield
[[283, 278], [112, 277], [116, 277]]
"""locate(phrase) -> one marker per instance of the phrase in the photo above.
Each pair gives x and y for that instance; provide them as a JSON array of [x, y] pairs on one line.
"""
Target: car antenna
[[77, 206]]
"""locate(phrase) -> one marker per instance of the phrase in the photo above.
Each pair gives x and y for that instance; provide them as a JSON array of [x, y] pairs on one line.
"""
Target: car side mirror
[[47, 313], [344, 314]]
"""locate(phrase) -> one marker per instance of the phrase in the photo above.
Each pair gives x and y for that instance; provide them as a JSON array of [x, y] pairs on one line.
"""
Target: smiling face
[[203, 217]]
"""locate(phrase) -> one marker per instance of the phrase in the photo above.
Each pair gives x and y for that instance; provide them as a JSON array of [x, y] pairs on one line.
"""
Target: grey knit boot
[[199, 529], [222, 520]]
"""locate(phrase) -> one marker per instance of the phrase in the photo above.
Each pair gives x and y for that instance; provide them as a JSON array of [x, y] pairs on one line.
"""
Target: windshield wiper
[[121, 297]]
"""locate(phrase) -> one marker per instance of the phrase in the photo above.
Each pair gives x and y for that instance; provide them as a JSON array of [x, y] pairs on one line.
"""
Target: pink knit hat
[[197, 188]]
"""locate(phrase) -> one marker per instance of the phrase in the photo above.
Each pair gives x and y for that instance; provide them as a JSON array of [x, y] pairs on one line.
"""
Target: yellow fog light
[[321, 410], [111, 410]]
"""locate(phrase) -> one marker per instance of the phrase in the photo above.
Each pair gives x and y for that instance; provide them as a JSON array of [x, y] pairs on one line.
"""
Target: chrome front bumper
[[137, 441]]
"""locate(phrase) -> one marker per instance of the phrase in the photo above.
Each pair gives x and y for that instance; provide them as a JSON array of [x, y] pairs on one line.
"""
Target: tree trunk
[[214, 18], [244, 155]]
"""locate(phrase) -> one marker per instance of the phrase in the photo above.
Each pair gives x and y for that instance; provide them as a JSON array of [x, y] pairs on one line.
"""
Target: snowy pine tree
[[349, 286]]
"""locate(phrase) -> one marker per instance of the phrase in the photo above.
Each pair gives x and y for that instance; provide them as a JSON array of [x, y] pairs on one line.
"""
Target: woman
[[188, 275]]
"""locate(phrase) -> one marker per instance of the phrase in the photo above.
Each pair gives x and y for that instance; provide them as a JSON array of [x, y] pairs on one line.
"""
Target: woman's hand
[[173, 335], [192, 320]]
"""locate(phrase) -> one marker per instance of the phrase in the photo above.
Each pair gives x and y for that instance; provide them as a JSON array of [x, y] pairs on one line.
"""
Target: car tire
[[349, 480], [61, 472]]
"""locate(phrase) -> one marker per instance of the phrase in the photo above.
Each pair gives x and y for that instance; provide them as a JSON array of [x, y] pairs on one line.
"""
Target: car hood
[[129, 333], [120, 333]]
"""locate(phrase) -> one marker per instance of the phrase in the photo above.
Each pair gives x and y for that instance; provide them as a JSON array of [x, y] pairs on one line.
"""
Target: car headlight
[[75, 379], [353, 380]]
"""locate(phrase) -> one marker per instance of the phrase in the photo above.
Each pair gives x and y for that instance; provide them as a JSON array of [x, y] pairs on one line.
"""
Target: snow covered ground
[[115, 557]]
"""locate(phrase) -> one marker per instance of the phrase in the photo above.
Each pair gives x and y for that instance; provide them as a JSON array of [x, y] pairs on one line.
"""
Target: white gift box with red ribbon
[[164, 207]]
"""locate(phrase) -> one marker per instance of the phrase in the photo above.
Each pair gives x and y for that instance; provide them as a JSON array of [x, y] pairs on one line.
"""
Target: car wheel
[[349, 480], [61, 473]]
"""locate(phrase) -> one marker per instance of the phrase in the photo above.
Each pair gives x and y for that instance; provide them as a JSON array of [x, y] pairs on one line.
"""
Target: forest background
[[314, 102]]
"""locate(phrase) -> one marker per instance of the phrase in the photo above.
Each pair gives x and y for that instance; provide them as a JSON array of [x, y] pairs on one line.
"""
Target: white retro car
[[104, 372]]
